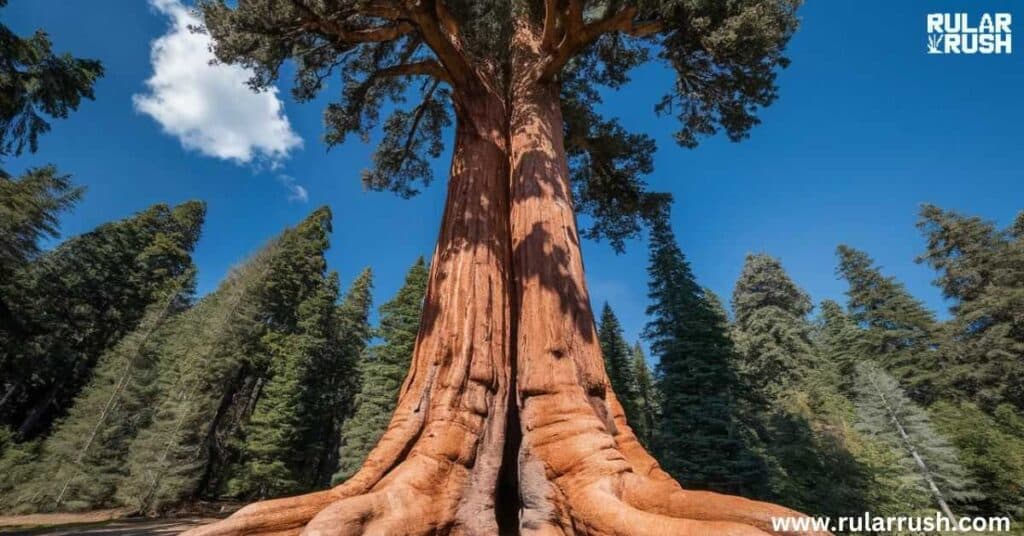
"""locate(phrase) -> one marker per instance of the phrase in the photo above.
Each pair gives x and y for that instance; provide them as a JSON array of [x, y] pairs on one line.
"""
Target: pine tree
[[901, 332], [34, 81], [980, 269], [617, 361], [991, 447], [886, 413], [381, 371], [795, 408], [648, 402], [276, 455], [29, 208], [338, 381], [236, 340], [772, 332], [86, 295], [842, 342], [79, 464], [696, 439]]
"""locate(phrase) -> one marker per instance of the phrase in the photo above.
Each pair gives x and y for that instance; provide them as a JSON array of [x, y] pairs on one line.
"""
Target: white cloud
[[296, 192], [207, 107]]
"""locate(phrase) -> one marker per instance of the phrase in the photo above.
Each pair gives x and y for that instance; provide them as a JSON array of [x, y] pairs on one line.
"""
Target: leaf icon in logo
[[934, 40]]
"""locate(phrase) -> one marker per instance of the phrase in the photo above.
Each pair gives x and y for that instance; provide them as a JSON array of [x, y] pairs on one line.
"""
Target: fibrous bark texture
[[506, 422]]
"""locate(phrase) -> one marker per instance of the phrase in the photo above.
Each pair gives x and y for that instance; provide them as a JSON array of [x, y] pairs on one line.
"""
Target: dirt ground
[[99, 523]]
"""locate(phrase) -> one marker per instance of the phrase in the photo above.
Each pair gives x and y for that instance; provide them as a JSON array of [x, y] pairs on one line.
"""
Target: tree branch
[[441, 33], [551, 20], [417, 117], [575, 41], [430, 68]]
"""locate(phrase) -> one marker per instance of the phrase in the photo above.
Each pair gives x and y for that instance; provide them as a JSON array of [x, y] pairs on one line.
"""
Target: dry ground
[[97, 523]]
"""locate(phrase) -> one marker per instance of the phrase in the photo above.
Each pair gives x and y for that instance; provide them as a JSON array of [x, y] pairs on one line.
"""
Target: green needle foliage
[[79, 465], [35, 82], [886, 413], [230, 408], [697, 439], [772, 332], [901, 332], [382, 370], [981, 268], [423, 65], [83, 297], [647, 400], [617, 361]]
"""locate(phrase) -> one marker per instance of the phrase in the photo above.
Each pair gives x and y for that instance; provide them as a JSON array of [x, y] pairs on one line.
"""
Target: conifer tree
[[338, 382], [648, 402], [991, 448], [85, 296], [237, 338], [797, 411], [29, 210], [277, 455], [886, 413], [841, 341], [617, 361], [772, 332], [381, 372], [35, 82], [980, 269], [901, 332], [696, 439], [79, 464]]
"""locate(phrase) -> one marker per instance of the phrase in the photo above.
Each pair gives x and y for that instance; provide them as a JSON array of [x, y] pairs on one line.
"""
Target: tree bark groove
[[507, 395]]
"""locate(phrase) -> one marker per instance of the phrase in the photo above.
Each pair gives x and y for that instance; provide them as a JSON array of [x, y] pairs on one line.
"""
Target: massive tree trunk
[[582, 470], [506, 422]]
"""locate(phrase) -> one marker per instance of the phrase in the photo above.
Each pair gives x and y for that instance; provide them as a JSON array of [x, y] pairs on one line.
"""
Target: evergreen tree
[[841, 341], [85, 295], [696, 439], [517, 177], [886, 413], [982, 270], [29, 207], [381, 372], [276, 455], [796, 411], [647, 401], [617, 361], [772, 332], [238, 338], [991, 447], [79, 464], [900, 330], [869, 472], [35, 82], [338, 381]]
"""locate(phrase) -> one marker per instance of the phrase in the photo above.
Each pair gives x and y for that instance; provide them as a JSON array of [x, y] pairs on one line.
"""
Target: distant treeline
[[872, 406]]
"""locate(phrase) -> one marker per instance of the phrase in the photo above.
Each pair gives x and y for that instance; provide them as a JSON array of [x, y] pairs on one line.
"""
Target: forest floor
[[97, 523]]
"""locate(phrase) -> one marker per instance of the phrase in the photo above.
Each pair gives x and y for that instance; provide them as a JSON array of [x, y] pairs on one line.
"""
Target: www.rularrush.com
[[891, 524]]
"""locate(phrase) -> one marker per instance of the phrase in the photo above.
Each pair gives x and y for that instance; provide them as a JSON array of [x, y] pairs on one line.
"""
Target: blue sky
[[868, 126]]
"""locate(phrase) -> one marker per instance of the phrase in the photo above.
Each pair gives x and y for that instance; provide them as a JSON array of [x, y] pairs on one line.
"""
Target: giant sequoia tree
[[506, 419]]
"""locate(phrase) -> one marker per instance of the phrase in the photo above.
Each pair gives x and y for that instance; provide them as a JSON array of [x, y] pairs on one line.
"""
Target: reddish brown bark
[[582, 470], [507, 317]]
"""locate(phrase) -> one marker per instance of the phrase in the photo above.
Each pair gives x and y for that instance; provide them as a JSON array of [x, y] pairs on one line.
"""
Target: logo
[[959, 33]]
